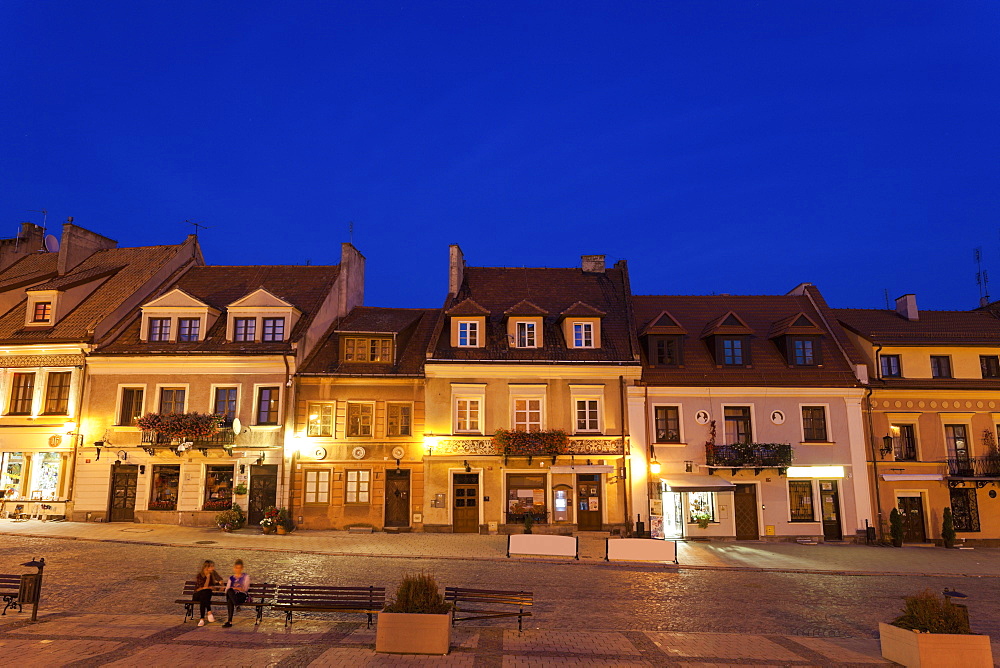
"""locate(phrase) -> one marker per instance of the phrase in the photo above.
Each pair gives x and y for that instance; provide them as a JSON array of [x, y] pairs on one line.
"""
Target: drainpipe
[[78, 438], [626, 451], [871, 439]]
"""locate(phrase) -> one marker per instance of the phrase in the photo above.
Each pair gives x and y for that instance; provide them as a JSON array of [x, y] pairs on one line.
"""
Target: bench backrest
[[8, 582], [368, 598], [463, 595], [258, 591]]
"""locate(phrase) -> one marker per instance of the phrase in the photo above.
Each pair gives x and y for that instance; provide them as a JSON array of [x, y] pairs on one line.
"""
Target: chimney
[[592, 263], [77, 244], [456, 269], [28, 240], [906, 306], [351, 280]]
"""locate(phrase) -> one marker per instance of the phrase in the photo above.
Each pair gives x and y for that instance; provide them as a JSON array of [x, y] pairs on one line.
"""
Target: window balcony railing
[[222, 438], [750, 455], [987, 466]]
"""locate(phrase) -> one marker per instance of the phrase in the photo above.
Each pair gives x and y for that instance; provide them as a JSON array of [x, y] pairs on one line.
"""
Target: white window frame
[[530, 333], [118, 404], [468, 391], [478, 400], [680, 424], [159, 386], [347, 418], [471, 335], [256, 329], [321, 497], [802, 423], [358, 491], [333, 423], [586, 328]]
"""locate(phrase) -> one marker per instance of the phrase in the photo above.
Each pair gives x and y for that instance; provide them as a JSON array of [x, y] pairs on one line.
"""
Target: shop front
[[691, 505], [35, 474]]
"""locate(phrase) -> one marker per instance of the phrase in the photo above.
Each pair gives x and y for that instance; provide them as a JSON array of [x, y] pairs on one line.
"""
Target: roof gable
[[176, 298], [525, 307], [664, 323], [582, 310], [798, 323], [467, 307], [727, 323], [259, 297]]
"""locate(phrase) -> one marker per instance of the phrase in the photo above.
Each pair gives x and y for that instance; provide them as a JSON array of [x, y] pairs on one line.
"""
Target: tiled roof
[[305, 287], [75, 278], [581, 310], [727, 323], [29, 269], [759, 313], [524, 307], [467, 307], [798, 323], [121, 270], [498, 289], [413, 329], [882, 326]]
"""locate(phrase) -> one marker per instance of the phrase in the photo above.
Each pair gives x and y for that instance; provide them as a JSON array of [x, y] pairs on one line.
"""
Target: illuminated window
[[321, 419], [317, 489], [359, 419], [800, 500], [702, 505], [527, 414], [467, 412], [42, 312], [357, 489], [468, 334]]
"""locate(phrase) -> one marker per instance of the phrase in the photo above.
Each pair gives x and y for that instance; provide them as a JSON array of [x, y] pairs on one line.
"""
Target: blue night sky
[[738, 147]]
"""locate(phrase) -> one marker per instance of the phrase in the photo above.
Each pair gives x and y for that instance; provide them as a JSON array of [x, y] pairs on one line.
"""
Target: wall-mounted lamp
[[69, 426], [397, 464], [430, 441], [468, 469], [142, 469], [243, 469], [688, 467], [122, 455], [98, 445], [654, 467]]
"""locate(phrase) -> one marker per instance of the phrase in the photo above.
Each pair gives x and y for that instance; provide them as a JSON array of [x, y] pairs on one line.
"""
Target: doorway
[[121, 505], [673, 515], [588, 494], [465, 503], [745, 512], [397, 498], [829, 494], [912, 510], [263, 491]]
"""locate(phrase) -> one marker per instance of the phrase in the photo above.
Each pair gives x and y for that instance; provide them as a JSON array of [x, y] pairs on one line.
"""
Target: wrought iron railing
[[750, 455], [987, 466], [221, 438]]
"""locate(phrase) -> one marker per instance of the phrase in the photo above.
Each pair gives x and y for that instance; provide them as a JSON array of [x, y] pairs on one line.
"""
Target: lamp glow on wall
[[654, 467], [430, 442]]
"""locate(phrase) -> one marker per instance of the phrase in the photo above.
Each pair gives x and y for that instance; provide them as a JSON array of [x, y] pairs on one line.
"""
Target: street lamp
[[654, 467]]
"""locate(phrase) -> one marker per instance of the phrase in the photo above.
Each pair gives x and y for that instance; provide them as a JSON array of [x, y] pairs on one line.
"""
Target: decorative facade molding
[[466, 446], [29, 361], [596, 446]]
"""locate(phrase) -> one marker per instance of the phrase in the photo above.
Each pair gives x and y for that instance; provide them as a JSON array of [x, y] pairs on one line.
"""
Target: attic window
[[665, 350], [733, 350], [365, 349], [42, 312], [804, 351], [273, 330]]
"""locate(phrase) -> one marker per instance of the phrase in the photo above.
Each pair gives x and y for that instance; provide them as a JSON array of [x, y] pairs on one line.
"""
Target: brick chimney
[[28, 240], [456, 269], [906, 306], [592, 263], [77, 244]]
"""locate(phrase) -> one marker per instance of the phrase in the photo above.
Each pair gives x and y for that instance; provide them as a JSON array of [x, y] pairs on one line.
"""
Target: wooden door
[[397, 498], [912, 510], [124, 478], [589, 500], [745, 512], [465, 503], [263, 492], [829, 495]]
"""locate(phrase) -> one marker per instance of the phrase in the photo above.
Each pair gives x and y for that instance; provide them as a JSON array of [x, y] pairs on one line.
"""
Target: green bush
[[285, 520], [948, 529], [929, 613], [231, 519], [896, 527], [529, 522], [418, 594]]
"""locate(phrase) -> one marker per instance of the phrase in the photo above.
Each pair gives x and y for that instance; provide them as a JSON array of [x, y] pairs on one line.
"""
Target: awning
[[582, 468], [686, 482], [912, 476]]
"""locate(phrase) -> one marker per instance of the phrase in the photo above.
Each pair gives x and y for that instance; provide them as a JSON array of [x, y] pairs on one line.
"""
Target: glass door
[[673, 515]]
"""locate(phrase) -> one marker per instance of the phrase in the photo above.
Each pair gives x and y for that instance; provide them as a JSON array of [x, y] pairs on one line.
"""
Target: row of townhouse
[[553, 394]]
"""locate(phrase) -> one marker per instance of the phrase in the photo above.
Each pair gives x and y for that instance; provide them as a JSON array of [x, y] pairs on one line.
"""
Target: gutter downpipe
[[871, 438], [78, 438], [289, 409], [626, 450]]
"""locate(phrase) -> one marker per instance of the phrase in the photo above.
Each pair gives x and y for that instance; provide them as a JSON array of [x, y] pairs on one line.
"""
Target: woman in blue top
[[237, 587]]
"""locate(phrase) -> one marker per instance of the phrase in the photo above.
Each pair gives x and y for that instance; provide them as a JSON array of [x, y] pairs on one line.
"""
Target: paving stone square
[[723, 646], [348, 657], [570, 642], [32, 652], [174, 654]]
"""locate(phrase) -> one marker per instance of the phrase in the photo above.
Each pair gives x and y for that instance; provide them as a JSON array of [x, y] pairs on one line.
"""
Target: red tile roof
[[29, 269], [412, 328], [760, 313], [526, 308], [305, 287], [497, 289], [882, 326]]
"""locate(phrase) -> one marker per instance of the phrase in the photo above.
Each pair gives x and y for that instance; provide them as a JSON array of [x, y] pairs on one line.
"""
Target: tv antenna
[[982, 277], [350, 231], [197, 226], [45, 216]]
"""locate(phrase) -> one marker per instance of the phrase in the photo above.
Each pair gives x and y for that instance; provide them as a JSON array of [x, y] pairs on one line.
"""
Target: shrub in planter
[[948, 529], [270, 521], [703, 520], [416, 621], [529, 522], [896, 527], [929, 613], [933, 632], [285, 522], [232, 519], [241, 489]]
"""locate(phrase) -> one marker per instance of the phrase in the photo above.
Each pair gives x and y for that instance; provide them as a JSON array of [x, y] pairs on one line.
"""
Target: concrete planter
[[406, 633], [937, 650]]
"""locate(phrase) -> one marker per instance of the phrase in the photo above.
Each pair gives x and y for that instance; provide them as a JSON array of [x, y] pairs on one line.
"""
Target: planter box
[[402, 633], [937, 650]]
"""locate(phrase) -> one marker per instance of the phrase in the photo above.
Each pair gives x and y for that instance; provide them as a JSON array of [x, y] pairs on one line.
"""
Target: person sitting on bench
[[205, 583], [237, 587]]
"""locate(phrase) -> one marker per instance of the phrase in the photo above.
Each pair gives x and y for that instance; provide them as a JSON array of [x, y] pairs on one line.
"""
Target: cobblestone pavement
[[113, 602], [789, 557]]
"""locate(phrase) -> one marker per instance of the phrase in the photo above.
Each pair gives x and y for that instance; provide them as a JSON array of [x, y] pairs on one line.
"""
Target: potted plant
[[933, 631], [417, 621], [702, 519], [948, 529], [232, 519], [241, 490], [285, 524], [270, 522], [896, 528], [529, 522]]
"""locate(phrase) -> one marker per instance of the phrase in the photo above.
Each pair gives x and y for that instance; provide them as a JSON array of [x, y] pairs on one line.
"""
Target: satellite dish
[[237, 426], [51, 243]]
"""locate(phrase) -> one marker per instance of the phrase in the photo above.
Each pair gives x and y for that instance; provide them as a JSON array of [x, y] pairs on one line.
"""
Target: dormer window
[[468, 334], [188, 329], [665, 350], [244, 329], [804, 351], [583, 335], [364, 349], [733, 350], [273, 330], [525, 335], [42, 312], [159, 329]]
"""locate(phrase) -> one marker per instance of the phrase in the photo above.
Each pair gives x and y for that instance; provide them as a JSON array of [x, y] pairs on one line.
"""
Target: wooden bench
[[318, 598], [484, 601], [10, 589], [261, 596]]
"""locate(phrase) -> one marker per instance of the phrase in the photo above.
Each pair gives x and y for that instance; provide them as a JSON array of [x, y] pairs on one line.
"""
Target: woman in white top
[[237, 587]]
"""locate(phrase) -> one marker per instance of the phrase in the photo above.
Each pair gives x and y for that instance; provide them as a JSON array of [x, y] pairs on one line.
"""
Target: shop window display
[[166, 484], [218, 487], [11, 473], [526, 496], [702, 506], [46, 467]]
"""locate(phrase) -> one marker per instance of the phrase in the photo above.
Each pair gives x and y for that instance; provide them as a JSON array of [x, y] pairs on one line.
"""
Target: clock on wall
[[358, 452]]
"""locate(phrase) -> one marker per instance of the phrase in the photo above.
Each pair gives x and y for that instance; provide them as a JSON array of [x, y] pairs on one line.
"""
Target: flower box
[[940, 650]]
